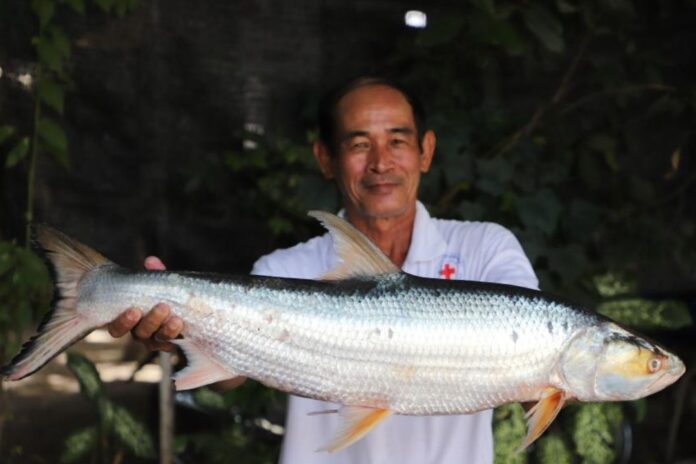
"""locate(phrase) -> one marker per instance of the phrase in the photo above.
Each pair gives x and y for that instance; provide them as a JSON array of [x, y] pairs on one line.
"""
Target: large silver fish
[[367, 336]]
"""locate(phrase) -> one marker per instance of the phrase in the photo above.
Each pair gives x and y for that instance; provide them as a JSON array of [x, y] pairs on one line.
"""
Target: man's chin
[[381, 211]]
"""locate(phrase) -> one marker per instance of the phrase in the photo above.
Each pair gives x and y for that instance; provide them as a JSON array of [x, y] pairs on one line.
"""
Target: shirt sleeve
[[505, 261], [267, 266]]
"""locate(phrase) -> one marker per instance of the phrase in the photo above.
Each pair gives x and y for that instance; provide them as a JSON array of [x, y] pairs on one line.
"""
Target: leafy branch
[[510, 141]]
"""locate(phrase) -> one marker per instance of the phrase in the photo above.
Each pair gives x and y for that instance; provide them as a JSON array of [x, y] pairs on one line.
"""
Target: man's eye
[[398, 142], [360, 146]]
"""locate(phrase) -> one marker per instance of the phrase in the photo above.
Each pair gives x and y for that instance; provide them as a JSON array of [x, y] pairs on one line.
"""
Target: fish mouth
[[674, 371]]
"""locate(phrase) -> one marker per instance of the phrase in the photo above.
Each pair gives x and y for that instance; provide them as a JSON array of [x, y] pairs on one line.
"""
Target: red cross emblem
[[447, 271]]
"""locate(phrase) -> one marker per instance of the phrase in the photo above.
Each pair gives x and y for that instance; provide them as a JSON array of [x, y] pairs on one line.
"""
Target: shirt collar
[[426, 242]]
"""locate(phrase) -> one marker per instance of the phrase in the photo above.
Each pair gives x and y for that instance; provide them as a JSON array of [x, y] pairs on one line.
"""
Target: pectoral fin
[[200, 369], [542, 414], [355, 422]]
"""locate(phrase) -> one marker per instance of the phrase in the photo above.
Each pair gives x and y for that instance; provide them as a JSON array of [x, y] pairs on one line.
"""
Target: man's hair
[[329, 103]]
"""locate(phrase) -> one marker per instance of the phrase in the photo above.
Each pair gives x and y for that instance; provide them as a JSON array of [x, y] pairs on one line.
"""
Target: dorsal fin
[[359, 256]]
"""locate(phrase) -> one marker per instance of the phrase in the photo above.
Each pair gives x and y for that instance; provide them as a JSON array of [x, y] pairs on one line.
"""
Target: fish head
[[609, 363]]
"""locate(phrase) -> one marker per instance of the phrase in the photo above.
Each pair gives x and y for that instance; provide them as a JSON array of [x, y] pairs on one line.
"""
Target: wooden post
[[166, 410]]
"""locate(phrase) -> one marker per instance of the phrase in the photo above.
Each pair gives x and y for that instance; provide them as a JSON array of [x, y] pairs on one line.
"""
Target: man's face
[[378, 159]]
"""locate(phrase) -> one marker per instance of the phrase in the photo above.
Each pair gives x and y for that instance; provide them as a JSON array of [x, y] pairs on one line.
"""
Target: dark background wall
[[171, 84]]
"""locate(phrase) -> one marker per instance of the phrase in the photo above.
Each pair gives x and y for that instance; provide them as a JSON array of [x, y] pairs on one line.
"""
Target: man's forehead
[[374, 104]]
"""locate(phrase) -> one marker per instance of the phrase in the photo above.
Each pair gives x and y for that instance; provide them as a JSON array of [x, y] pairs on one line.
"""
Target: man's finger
[[125, 322], [152, 321], [153, 263], [171, 329]]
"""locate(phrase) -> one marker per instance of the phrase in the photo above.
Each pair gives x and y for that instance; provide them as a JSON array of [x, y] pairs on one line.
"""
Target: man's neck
[[391, 235]]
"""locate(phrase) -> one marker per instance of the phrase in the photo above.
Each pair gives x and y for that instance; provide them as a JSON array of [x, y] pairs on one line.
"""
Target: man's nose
[[380, 158]]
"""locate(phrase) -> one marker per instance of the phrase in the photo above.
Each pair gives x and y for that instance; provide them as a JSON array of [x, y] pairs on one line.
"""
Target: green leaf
[[493, 174], [132, 433], [17, 153], [61, 41], [552, 449], [640, 409], [643, 314], [7, 253], [49, 54], [497, 32], [78, 6], [87, 375], [613, 284], [54, 137], [509, 429], [51, 93], [44, 9], [106, 412], [545, 26], [606, 145], [210, 399], [6, 132], [279, 225], [78, 444], [593, 432], [540, 211], [470, 210]]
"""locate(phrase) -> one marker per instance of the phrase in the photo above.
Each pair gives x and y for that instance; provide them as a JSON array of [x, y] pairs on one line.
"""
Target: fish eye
[[654, 365]]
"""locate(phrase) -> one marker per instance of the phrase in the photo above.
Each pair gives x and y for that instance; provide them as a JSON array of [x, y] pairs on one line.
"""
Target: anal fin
[[542, 414], [355, 423], [200, 369]]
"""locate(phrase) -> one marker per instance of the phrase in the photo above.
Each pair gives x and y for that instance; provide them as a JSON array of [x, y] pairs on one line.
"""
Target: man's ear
[[427, 150], [323, 157]]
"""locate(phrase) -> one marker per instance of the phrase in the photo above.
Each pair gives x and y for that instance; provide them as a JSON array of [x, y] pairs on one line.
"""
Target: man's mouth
[[381, 185]]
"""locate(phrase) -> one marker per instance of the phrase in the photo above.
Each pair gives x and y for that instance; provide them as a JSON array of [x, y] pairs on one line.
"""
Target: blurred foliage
[[24, 294], [242, 428], [595, 426], [509, 430], [117, 431], [285, 179], [552, 448], [587, 169], [24, 280]]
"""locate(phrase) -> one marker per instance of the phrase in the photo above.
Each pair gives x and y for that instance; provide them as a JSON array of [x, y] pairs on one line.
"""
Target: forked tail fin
[[62, 326]]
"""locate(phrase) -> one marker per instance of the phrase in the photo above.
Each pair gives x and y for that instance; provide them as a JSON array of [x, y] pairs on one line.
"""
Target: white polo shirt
[[439, 249]]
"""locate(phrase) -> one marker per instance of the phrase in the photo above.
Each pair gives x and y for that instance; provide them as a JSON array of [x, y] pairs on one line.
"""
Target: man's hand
[[156, 327]]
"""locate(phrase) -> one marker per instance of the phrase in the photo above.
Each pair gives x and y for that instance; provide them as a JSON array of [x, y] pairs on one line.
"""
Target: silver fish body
[[412, 345], [368, 337]]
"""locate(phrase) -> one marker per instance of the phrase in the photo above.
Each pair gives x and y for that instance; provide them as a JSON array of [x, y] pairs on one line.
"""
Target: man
[[373, 143]]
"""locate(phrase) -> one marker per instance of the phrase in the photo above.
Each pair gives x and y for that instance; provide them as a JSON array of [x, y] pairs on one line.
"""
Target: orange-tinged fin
[[542, 414], [355, 422], [359, 256], [62, 326], [200, 369]]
